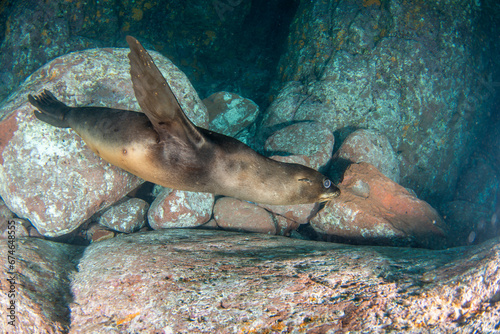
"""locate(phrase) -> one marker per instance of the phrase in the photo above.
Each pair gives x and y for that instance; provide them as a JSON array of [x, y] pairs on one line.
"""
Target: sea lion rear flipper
[[50, 110], [156, 98]]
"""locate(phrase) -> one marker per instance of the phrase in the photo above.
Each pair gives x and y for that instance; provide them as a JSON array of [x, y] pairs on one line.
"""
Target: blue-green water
[[424, 74]]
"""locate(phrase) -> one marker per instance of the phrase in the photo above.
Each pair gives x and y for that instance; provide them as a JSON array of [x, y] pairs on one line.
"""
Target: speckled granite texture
[[188, 281], [47, 174], [404, 68]]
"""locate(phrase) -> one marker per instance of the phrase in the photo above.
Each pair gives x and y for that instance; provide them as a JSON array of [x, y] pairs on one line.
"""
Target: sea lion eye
[[327, 183]]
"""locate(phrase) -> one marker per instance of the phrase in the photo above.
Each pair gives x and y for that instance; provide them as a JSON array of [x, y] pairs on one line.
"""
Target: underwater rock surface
[[42, 285], [373, 209], [235, 215], [177, 208], [310, 139], [230, 113], [47, 174], [401, 68], [372, 147], [5, 212], [221, 45], [127, 216], [196, 281], [38, 32]]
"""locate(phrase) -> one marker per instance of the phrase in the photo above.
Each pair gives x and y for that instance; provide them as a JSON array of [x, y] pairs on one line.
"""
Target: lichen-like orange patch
[[127, 318], [7, 128]]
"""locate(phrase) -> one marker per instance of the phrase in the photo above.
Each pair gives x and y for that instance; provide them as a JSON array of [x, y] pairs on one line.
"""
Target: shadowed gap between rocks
[[48, 266]]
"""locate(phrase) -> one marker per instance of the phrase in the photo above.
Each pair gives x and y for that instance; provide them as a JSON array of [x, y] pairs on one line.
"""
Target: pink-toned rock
[[5, 212], [372, 147], [285, 226], [230, 113], [289, 217], [176, 208], [201, 281], [387, 214], [234, 214], [310, 139], [300, 213], [127, 216], [14, 227], [42, 286], [97, 232], [48, 175]]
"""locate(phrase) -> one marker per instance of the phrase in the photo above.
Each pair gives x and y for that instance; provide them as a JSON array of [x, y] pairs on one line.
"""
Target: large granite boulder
[[392, 66], [47, 174], [230, 113], [371, 147], [127, 216], [373, 209], [194, 281]]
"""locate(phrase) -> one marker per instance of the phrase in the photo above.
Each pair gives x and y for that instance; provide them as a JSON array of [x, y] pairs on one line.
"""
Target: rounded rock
[[311, 139], [372, 147], [177, 208], [233, 214], [127, 216]]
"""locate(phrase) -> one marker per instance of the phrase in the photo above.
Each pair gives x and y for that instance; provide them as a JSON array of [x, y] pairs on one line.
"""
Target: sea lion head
[[311, 186]]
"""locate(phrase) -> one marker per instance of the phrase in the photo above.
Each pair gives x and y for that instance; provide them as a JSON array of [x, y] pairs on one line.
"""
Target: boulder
[[128, 216], [293, 159], [394, 68], [199, 281], [230, 113], [185, 281], [97, 232], [236, 215], [373, 209], [41, 286], [310, 139], [177, 208], [48, 175], [5, 212], [372, 147]]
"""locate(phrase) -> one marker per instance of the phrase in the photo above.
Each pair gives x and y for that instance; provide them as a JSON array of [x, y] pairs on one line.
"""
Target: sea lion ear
[[306, 180], [156, 98]]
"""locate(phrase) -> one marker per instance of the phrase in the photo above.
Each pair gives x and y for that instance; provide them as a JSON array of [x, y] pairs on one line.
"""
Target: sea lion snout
[[331, 191], [312, 186]]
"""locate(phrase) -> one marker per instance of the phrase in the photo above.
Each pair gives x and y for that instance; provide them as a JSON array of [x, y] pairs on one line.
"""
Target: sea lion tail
[[50, 110]]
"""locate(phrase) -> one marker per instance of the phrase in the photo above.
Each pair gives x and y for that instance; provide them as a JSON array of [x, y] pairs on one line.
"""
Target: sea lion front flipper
[[156, 98]]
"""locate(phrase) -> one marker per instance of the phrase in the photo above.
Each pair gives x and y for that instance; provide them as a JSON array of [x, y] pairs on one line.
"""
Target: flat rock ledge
[[202, 281]]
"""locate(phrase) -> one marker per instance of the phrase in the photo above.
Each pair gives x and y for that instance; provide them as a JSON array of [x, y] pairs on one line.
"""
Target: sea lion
[[162, 146]]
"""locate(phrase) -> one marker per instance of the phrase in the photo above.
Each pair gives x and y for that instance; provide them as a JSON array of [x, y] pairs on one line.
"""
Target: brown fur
[[164, 147]]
